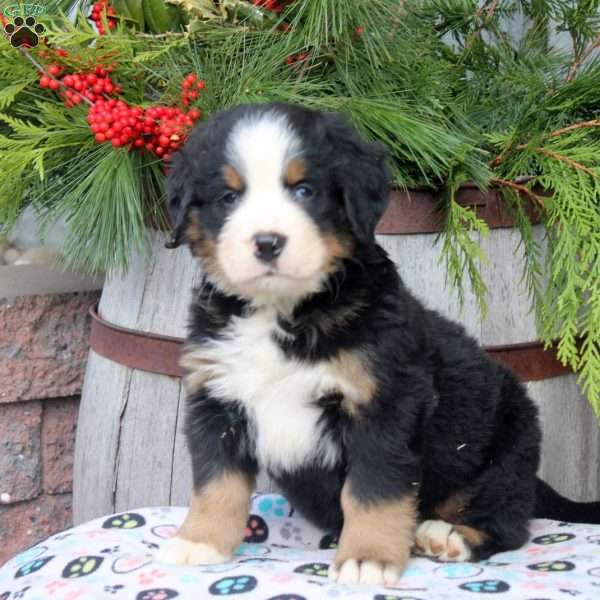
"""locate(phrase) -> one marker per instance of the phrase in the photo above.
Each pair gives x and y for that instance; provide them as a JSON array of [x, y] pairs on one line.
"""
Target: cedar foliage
[[445, 84]]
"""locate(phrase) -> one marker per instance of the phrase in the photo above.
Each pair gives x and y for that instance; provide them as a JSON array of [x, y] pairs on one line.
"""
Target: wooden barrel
[[130, 448]]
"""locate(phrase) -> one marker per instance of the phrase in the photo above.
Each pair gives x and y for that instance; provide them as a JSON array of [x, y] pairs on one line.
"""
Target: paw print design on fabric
[[257, 530], [124, 521], [82, 566], [329, 541], [289, 530], [274, 507], [553, 538], [314, 569], [127, 563], [164, 532], [485, 586], [552, 565], [24, 33], [157, 594], [390, 597], [246, 549], [233, 585], [21, 593], [32, 566], [113, 589], [593, 539], [458, 570]]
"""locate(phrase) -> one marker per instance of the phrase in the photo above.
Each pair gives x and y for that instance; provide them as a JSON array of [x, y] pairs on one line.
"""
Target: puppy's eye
[[303, 191], [230, 197]]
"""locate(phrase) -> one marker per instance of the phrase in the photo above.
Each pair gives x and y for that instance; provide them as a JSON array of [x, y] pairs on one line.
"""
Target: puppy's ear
[[178, 199], [361, 173]]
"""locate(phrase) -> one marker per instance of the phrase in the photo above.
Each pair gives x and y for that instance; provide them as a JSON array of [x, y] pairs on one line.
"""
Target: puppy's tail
[[549, 504]]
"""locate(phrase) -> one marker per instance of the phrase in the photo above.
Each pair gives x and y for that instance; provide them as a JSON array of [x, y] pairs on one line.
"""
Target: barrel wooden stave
[[130, 445]]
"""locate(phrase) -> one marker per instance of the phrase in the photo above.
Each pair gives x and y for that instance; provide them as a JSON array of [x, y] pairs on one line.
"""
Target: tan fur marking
[[474, 537], [353, 367], [232, 178], [205, 248], [452, 509], [382, 531], [336, 249], [219, 512], [295, 171]]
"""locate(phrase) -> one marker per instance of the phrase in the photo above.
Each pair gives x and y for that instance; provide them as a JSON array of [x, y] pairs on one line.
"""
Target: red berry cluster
[[102, 10], [296, 58], [160, 129], [272, 5], [77, 86], [190, 88]]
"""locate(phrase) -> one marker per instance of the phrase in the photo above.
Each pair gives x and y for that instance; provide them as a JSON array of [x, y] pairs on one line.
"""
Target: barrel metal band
[[160, 353]]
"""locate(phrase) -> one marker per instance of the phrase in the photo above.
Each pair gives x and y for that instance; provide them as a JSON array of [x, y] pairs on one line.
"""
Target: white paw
[[177, 551], [438, 538], [369, 572]]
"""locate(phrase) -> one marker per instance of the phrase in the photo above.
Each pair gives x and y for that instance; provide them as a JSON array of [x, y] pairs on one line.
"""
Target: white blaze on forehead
[[259, 148]]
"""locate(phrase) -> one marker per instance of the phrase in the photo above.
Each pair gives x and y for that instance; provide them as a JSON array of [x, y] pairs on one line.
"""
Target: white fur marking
[[279, 394], [367, 572], [178, 551], [444, 540]]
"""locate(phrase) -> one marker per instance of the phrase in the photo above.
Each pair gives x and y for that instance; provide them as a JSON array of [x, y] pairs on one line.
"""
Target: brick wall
[[43, 350]]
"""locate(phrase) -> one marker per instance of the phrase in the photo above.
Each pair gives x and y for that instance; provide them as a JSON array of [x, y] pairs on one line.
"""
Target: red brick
[[44, 342], [27, 523], [20, 456], [58, 442]]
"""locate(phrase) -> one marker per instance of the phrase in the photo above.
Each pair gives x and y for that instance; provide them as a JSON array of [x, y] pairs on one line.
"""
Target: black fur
[[445, 420]]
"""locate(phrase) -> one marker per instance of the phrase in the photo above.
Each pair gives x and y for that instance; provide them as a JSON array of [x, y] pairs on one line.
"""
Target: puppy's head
[[272, 198]]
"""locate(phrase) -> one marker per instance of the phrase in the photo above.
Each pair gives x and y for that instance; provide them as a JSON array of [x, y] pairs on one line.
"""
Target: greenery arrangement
[[447, 85]]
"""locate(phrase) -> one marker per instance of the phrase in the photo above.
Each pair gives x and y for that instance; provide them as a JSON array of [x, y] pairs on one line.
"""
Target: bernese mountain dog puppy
[[308, 357]]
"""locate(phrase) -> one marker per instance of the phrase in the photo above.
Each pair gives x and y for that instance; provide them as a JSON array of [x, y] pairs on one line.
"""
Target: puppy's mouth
[[273, 274]]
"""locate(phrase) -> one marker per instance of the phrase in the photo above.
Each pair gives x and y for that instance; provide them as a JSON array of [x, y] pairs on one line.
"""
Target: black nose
[[268, 246]]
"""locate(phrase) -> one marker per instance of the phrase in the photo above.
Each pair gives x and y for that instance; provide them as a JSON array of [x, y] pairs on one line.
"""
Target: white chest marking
[[278, 394]]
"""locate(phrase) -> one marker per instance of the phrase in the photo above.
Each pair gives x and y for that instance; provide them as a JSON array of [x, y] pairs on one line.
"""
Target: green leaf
[[156, 15], [10, 92], [136, 11]]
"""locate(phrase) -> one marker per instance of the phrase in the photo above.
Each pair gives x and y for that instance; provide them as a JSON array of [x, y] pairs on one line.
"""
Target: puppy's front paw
[[370, 572], [179, 551], [439, 539]]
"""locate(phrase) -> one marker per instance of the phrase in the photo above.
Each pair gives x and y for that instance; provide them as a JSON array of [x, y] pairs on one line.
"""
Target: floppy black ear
[[361, 173], [178, 199]]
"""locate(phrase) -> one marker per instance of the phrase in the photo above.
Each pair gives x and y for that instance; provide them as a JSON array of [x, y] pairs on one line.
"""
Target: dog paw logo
[[82, 566], [314, 569], [24, 33], [233, 585], [32, 566], [552, 566], [124, 521], [552, 538], [486, 586]]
